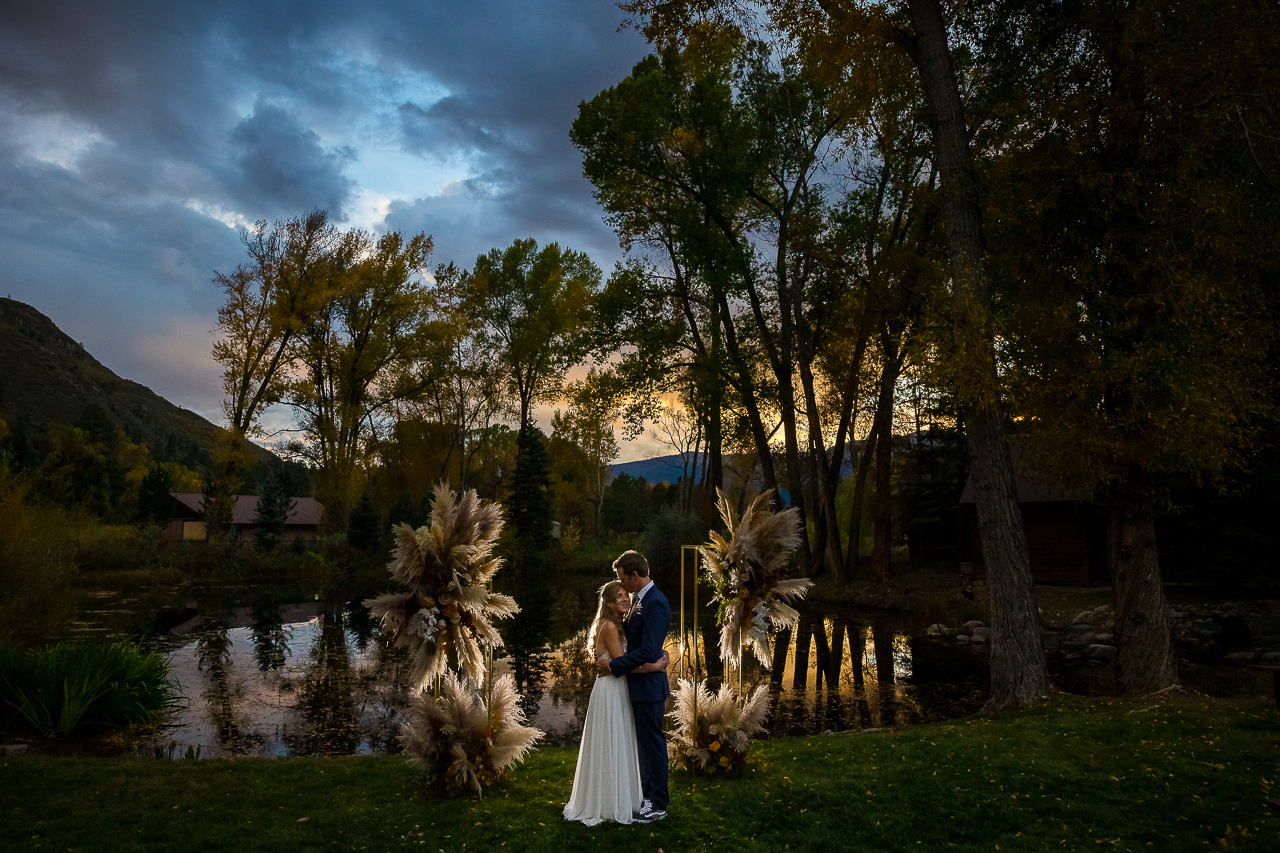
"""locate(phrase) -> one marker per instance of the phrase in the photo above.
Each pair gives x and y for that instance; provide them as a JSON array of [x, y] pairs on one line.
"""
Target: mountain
[[659, 469], [47, 378]]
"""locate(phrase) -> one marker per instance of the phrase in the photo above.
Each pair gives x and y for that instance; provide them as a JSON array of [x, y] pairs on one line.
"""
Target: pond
[[301, 670]]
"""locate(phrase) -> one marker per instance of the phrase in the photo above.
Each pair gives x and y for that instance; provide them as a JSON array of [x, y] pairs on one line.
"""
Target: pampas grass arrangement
[[746, 574], [463, 742], [447, 610], [462, 736], [713, 730]]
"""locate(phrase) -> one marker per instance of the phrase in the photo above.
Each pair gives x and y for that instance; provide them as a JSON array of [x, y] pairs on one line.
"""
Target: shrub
[[36, 553], [69, 687], [667, 531]]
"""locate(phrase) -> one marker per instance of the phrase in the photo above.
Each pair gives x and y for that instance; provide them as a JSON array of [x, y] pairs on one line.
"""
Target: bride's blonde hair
[[605, 612]]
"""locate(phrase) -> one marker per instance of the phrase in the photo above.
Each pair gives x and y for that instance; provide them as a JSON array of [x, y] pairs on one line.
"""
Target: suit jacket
[[645, 632]]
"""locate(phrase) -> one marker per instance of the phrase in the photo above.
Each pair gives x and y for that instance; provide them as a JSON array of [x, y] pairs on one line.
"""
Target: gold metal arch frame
[[687, 668]]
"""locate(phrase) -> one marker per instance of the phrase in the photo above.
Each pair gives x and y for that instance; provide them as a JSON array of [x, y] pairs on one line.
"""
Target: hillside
[[47, 378]]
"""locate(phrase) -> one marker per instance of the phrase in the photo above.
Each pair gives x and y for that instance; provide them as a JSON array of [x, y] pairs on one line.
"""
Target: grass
[[1177, 774], [62, 689]]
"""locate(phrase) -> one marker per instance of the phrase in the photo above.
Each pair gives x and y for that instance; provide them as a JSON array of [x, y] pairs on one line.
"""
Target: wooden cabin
[[188, 524], [1066, 532]]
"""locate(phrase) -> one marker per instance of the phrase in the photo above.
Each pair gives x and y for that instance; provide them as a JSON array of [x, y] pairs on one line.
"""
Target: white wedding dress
[[606, 783]]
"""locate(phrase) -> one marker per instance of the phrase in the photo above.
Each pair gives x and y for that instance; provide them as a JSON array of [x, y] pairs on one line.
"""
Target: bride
[[606, 783]]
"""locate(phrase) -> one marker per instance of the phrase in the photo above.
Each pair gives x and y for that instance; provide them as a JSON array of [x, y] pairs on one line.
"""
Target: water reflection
[[311, 674]]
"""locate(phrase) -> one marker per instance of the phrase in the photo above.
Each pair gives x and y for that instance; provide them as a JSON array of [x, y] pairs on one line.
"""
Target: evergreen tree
[[364, 526], [530, 499], [273, 513], [154, 500]]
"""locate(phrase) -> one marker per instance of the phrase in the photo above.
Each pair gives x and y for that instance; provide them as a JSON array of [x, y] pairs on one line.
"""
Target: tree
[[595, 404], [1019, 673], [463, 390], [269, 301], [529, 502], [1139, 299], [154, 498], [357, 353], [529, 305], [273, 514], [628, 504], [364, 527]]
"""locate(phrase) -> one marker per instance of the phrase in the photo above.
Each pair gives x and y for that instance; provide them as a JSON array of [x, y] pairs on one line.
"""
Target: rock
[[979, 638], [14, 748], [1087, 639], [1102, 608], [1073, 656], [1071, 647], [1050, 641], [981, 632], [1238, 658], [1175, 615], [1105, 639], [1271, 657], [1084, 617], [937, 629], [1078, 628], [962, 639], [1102, 651], [970, 625]]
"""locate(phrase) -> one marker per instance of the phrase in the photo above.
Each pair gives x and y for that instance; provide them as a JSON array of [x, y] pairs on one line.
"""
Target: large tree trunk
[[882, 519], [1019, 674], [1145, 661], [851, 553]]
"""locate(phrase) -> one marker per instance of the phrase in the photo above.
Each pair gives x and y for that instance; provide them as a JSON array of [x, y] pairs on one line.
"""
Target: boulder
[[1102, 652], [1084, 617], [1238, 658], [962, 639], [970, 625], [1107, 639], [14, 748]]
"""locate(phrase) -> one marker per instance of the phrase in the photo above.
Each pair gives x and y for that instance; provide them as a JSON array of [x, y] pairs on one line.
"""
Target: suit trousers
[[651, 746]]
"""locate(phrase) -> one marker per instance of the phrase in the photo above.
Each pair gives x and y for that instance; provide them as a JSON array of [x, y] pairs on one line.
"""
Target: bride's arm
[[657, 666]]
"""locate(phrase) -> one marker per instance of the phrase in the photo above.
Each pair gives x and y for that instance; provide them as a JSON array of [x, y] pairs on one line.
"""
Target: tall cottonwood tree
[[269, 301], [918, 28], [358, 356], [1131, 197], [529, 306]]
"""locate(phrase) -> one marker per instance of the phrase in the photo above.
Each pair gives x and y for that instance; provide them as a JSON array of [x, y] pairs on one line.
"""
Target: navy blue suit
[[646, 631]]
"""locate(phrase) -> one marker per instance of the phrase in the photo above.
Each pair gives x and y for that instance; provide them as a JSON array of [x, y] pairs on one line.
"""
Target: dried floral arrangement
[[463, 741], [464, 737], [447, 609], [713, 731], [746, 576]]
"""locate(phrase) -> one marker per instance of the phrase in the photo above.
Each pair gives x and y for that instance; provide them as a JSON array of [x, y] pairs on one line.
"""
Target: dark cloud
[[135, 136], [283, 166]]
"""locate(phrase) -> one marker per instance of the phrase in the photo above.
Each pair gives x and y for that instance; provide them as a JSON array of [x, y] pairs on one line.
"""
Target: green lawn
[[1182, 773]]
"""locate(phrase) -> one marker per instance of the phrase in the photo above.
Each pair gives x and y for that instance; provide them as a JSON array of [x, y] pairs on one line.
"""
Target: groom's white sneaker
[[648, 814]]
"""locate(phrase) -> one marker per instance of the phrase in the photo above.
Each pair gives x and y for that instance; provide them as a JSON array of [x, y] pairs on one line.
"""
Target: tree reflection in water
[[326, 697], [317, 676], [270, 639]]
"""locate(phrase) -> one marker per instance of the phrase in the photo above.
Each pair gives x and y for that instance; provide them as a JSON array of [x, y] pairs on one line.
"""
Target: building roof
[[303, 512]]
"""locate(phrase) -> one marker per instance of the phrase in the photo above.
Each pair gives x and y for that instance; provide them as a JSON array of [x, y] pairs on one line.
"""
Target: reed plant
[[73, 687]]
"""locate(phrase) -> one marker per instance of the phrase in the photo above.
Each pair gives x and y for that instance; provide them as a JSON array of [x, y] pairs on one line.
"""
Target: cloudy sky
[[137, 136]]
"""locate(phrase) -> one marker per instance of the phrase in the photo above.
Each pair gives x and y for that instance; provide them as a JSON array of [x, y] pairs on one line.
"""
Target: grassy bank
[[1182, 773]]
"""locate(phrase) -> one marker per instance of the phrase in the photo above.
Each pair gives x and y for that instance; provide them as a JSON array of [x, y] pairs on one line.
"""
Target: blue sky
[[136, 137]]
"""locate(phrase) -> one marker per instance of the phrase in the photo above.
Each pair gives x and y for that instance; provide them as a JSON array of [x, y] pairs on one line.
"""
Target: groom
[[646, 628]]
